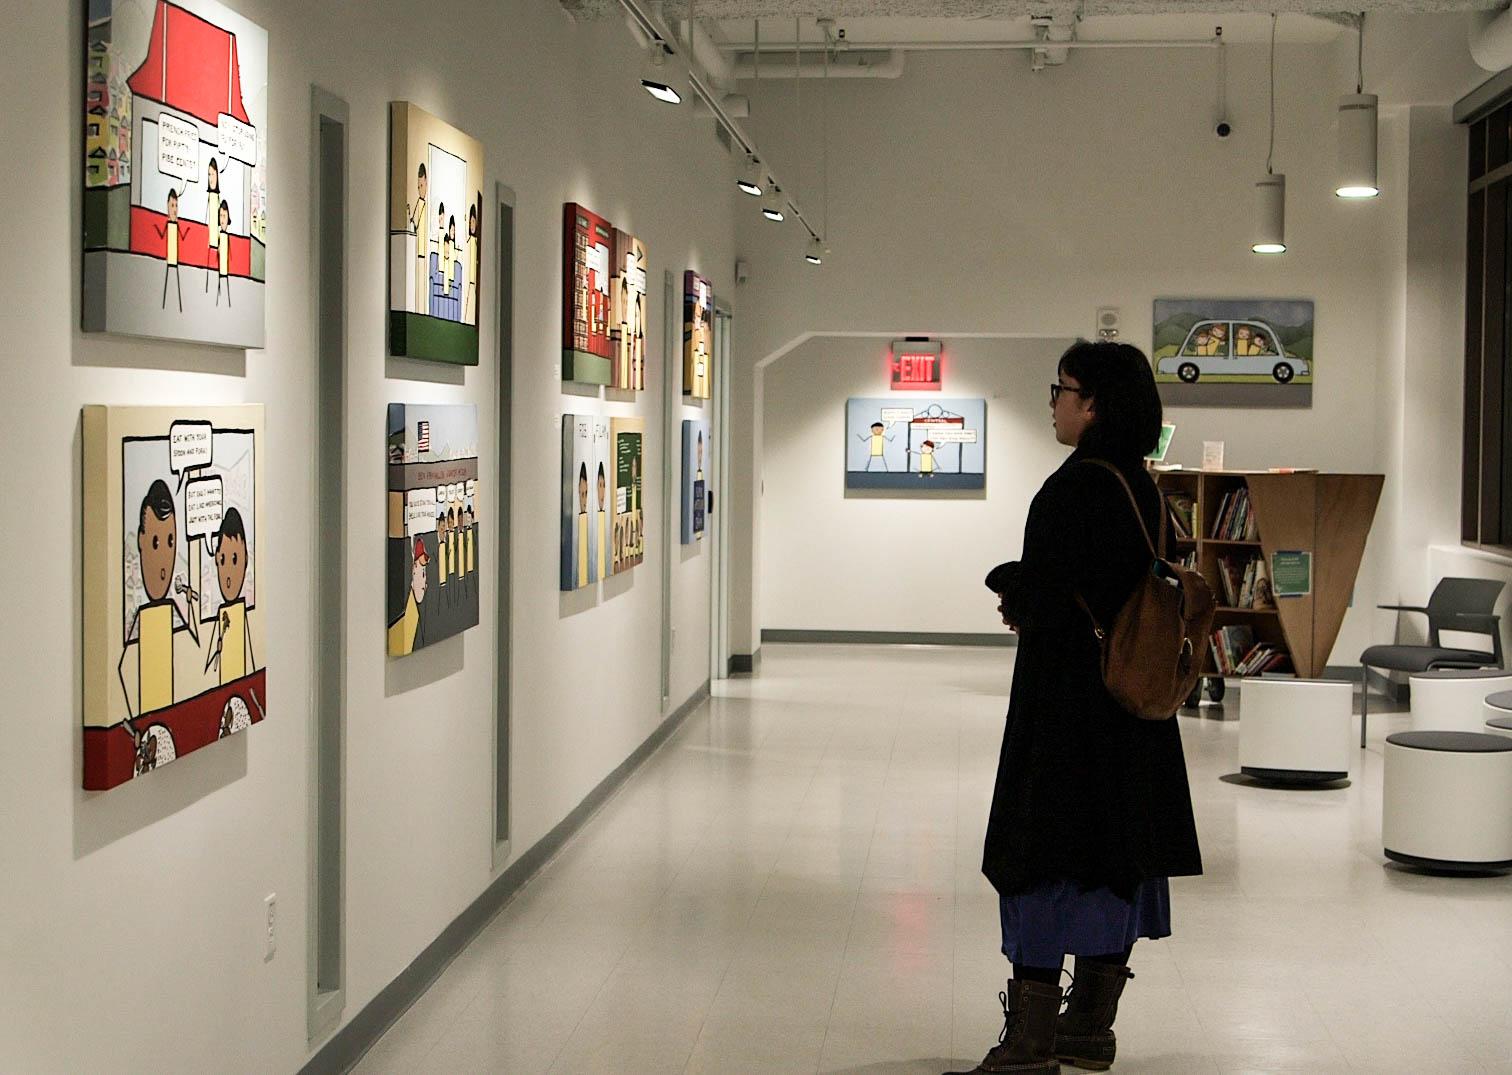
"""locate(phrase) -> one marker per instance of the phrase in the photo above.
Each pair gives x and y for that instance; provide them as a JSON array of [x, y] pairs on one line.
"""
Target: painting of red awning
[[175, 172]]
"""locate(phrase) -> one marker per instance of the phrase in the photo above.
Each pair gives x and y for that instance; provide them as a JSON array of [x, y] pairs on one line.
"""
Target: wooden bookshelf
[[1328, 515]]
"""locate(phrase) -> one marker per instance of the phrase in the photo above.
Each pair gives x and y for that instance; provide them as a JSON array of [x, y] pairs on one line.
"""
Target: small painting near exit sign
[[915, 365]]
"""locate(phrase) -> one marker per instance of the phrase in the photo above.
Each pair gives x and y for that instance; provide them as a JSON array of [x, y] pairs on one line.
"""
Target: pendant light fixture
[[772, 205], [1270, 190], [1357, 135], [749, 179], [654, 79], [815, 255]]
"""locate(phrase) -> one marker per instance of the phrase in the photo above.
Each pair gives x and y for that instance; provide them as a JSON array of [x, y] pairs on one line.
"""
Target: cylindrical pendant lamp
[[1357, 146], [1270, 215]]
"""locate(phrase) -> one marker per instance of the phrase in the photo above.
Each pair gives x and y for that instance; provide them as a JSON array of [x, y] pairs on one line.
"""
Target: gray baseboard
[[892, 638], [362, 1032], [745, 664]]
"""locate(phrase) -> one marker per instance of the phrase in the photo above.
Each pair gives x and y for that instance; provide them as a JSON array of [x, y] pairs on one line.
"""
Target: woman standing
[[1091, 812]]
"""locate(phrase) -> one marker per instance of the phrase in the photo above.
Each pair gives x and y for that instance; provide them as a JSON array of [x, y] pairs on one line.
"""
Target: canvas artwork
[[173, 627], [627, 444], [435, 237], [433, 507], [175, 172], [698, 336], [695, 483], [586, 511], [1234, 352], [628, 312], [587, 346], [918, 445]]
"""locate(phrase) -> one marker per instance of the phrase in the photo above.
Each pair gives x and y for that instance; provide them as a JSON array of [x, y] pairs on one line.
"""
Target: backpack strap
[[1134, 503]]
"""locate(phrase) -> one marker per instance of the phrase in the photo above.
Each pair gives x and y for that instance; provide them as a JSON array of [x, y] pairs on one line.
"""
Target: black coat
[[1085, 791]]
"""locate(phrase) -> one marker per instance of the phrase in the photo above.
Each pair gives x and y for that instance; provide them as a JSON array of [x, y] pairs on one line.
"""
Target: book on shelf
[[1245, 582], [1236, 653], [1183, 515], [1235, 519]]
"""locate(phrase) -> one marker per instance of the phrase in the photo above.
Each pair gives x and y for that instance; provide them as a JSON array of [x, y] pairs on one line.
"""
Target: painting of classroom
[[433, 510], [627, 454], [914, 445], [586, 504], [174, 629], [175, 172], [435, 237]]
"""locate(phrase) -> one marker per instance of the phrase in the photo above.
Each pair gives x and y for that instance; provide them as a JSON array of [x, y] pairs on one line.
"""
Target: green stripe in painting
[[418, 336], [584, 368]]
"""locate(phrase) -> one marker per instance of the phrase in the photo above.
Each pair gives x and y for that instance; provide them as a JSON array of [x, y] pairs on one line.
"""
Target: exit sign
[[915, 365]]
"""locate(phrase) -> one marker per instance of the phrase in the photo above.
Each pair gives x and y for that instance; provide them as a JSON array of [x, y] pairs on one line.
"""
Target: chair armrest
[[1483, 621], [1402, 608]]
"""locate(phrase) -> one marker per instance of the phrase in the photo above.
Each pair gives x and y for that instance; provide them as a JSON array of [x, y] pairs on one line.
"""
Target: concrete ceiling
[[1003, 10]]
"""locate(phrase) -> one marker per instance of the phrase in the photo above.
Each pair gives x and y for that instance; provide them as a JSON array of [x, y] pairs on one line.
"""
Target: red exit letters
[[915, 366]]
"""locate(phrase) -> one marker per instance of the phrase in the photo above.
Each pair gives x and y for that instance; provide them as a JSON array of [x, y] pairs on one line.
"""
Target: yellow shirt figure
[[472, 563], [173, 242], [876, 445], [452, 563], [603, 544], [212, 217], [582, 549], [926, 463], [154, 657], [422, 256], [233, 641], [401, 636]]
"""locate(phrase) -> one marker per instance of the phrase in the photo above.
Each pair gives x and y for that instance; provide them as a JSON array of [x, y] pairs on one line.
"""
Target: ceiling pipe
[[1491, 39], [988, 46], [876, 64], [716, 64]]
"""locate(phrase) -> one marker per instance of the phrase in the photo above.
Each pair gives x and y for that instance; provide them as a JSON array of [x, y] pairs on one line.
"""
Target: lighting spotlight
[[653, 81], [749, 179]]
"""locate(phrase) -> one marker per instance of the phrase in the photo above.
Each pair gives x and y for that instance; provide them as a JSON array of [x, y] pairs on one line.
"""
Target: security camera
[[1224, 129]]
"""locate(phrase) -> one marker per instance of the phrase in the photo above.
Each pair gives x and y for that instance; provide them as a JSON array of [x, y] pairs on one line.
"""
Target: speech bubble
[[897, 414], [204, 507], [953, 436], [178, 148], [635, 277], [190, 445], [237, 139], [420, 512], [598, 262]]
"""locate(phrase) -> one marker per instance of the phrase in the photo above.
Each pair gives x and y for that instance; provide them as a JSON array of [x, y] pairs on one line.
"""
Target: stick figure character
[[223, 247], [212, 216], [926, 459], [877, 437], [230, 642], [171, 232], [408, 629]]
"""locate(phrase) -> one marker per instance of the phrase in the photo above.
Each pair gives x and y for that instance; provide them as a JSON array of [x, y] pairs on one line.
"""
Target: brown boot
[[1084, 1035], [1027, 1044]]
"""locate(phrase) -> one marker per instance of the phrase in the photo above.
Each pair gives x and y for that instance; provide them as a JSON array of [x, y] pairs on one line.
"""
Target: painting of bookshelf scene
[[1234, 352]]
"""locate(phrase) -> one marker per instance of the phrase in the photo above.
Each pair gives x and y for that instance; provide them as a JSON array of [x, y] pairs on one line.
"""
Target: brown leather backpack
[[1152, 652]]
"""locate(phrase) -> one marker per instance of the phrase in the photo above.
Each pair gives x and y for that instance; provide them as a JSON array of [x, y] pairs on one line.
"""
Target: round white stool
[[1448, 800], [1454, 699], [1498, 707], [1500, 726], [1295, 730]]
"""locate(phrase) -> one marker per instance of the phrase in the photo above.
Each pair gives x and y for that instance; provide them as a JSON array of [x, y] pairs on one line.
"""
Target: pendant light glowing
[[773, 204], [1270, 219], [1357, 146], [815, 255], [750, 177], [654, 80]]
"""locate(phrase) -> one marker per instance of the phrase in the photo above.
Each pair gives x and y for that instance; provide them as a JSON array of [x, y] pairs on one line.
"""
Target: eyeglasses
[[1057, 389]]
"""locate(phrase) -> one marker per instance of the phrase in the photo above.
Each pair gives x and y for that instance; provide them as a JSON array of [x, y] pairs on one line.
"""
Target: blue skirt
[[1060, 918]]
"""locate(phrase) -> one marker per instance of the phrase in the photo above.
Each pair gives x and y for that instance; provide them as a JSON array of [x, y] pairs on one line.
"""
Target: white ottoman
[[1448, 800], [1499, 713], [1296, 730], [1500, 726], [1454, 700]]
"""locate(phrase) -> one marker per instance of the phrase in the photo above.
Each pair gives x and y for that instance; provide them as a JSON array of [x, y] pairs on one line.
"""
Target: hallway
[[791, 884]]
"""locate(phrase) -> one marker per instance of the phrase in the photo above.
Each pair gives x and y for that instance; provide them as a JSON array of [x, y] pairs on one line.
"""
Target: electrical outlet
[[270, 945]]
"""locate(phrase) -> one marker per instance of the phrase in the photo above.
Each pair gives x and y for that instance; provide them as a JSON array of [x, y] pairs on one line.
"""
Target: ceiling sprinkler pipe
[[881, 64]]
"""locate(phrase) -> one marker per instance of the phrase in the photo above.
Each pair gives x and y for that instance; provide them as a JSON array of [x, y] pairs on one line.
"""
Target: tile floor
[[791, 884]]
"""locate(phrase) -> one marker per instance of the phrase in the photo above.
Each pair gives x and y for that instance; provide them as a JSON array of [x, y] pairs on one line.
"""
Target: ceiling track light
[[1270, 190], [815, 254], [1357, 135], [750, 177], [773, 205], [654, 80]]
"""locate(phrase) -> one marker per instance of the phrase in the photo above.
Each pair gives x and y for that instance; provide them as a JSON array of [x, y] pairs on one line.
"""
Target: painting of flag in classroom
[[627, 454], [174, 628], [695, 483], [587, 514], [433, 509], [435, 237], [175, 172], [698, 336], [916, 445], [587, 341], [1234, 352]]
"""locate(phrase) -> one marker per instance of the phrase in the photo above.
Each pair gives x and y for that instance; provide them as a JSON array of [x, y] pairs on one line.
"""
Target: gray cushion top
[[1466, 673], [1500, 700], [1453, 742], [1421, 658], [1504, 723]]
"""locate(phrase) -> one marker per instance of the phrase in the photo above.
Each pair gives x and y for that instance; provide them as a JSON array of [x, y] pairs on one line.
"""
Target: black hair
[[231, 527], [878, 425], [583, 471], [1118, 379], [422, 168], [159, 499], [601, 470]]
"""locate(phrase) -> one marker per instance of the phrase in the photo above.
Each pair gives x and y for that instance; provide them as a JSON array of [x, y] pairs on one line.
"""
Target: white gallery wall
[[133, 921], [1102, 184]]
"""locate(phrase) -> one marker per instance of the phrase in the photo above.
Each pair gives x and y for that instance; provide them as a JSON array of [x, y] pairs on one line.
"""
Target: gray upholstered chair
[[1456, 605]]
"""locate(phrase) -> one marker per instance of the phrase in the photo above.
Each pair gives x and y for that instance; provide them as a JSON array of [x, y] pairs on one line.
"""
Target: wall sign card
[[586, 506], [698, 336], [435, 237], [1234, 352], [587, 347], [627, 448], [627, 290], [433, 507], [695, 483], [173, 627], [1291, 573], [915, 445], [175, 172]]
